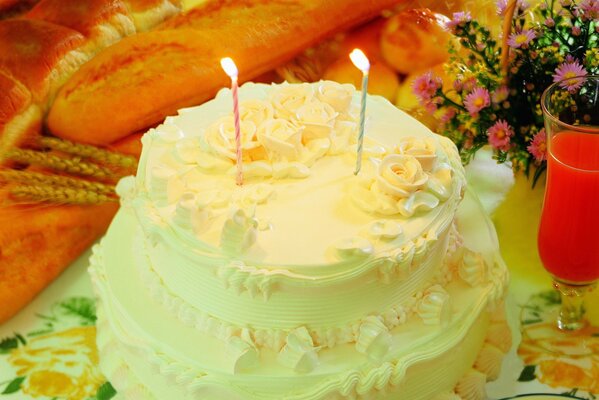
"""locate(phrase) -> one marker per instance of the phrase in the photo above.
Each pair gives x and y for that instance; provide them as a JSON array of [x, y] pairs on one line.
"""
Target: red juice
[[569, 229]]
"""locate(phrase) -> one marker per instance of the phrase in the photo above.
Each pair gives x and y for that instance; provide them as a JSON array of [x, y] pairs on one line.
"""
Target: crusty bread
[[415, 40], [102, 22], [20, 118], [145, 77], [39, 54], [149, 13], [36, 250]]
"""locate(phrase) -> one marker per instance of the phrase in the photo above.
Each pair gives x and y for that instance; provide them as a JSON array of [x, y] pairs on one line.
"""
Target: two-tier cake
[[307, 281]]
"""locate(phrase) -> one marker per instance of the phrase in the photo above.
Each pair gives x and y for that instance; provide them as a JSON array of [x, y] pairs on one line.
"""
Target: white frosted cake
[[307, 281]]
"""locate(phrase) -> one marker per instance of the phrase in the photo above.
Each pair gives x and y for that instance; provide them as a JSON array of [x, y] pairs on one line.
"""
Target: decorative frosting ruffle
[[241, 354], [239, 231], [473, 269], [435, 306], [299, 352], [374, 339], [472, 386], [500, 336], [489, 361]]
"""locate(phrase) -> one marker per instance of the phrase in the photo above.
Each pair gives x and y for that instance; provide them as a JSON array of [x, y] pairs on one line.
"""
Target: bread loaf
[[20, 117], [34, 251], [149, 13], [39, 54], [145, 77], [102, 22]]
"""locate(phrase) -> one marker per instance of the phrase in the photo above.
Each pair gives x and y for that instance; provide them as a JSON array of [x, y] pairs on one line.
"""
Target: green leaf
[[21, 339], [14, 385], [82, 307], [8, 344], [528, 374], [105, 392]]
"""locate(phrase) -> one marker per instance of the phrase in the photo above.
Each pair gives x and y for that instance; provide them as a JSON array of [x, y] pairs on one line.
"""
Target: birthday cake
[[306, 281]]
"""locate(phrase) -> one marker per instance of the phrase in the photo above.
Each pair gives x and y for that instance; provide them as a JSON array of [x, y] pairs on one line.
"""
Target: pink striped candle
[[231, 70]]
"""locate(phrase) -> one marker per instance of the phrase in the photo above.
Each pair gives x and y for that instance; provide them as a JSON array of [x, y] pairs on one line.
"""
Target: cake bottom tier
[[149, 353]]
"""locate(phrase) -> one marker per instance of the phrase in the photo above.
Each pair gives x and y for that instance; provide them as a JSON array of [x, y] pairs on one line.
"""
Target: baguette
[[102, 22], [20, 118], [149, 13], [138, 81], [39, 54]]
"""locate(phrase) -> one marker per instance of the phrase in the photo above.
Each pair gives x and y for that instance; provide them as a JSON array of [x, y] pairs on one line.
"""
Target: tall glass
[[569, 229]]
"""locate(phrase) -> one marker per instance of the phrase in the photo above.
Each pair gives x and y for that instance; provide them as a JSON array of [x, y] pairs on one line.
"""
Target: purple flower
[[500, 134], [538, 146], [459, 19], [425, 86], [477, 100], [550, 22], [521, 39], [588, 10], [570, 74]]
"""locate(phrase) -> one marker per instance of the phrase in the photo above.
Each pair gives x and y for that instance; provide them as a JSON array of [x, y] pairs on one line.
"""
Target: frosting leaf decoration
[[473, 269], [385, 229]]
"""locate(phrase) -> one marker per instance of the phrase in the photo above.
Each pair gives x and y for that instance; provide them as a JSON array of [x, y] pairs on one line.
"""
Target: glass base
[[571, 314]]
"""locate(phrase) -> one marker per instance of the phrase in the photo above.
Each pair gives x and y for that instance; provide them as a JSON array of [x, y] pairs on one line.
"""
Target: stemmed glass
[[569, 230]]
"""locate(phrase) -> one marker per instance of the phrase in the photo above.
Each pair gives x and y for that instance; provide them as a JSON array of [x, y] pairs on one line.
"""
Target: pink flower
[[500, 94], [588, 10], [567, 72], [477, 100], [521, 39], [576, 31], [459, 19], [538, 146], [499, 135], [426, 86], [448, 115]]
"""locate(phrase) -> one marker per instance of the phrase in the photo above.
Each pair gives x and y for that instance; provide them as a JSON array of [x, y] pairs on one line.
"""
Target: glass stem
[[571, 314]]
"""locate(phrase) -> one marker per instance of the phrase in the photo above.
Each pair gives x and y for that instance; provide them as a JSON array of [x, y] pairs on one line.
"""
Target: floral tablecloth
[[48, 350]]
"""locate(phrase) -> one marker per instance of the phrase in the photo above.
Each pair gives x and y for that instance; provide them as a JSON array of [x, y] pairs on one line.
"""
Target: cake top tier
[[300, 205]]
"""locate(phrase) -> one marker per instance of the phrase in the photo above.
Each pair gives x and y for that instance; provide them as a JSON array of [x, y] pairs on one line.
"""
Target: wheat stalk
[[55, 194], [36, 178], [74, 165], [91, 152]]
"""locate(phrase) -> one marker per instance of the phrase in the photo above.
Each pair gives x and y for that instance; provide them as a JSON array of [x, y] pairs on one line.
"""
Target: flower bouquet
[[497, 83]]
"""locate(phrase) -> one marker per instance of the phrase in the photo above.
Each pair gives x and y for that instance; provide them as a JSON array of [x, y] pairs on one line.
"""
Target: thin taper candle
[[361, 61], [231, 70]]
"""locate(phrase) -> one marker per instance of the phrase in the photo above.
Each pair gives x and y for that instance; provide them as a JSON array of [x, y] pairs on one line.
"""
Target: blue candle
[[361, 62]]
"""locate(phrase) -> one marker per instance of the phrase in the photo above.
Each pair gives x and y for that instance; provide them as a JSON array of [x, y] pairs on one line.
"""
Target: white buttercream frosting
[[306, 282]]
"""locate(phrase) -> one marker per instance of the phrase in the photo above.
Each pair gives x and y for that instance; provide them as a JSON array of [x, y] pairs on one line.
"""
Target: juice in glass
[[569, 229]]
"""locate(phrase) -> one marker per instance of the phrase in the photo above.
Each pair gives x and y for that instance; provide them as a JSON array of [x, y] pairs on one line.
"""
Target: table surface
[[48, 350]]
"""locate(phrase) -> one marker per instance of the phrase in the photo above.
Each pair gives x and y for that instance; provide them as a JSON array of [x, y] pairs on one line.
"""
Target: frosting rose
[[287, 99], [318, 119], [256, 111], [400, 175], [220, 139], [281, 139], [339, 96], [424, 150]]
